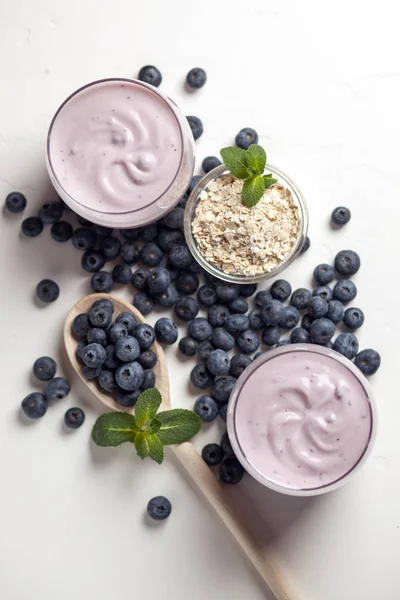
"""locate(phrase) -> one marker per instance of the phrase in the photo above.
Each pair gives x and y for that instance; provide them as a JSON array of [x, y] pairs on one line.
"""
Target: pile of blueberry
[[230, 469]]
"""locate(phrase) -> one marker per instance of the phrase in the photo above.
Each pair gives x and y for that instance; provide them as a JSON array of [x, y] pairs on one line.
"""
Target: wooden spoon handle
[[261, 558]]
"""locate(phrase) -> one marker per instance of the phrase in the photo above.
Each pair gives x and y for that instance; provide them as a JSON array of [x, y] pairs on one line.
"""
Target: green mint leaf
[[177, 426], [269, 180], [149, 445], [113, 429], [147, 406], [235, 160], [142, 445], [253, 190], [256, 159], [154, 426]]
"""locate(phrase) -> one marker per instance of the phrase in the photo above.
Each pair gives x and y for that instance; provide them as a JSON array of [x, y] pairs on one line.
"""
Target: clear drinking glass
[[190, 212], [160, 205], [237, 443]]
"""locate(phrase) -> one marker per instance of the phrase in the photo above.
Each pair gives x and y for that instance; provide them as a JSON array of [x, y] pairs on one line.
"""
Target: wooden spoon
[[216, 494]]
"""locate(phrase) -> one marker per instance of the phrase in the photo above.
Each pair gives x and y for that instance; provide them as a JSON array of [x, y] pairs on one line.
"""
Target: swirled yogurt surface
[[303, 420], [115, 146]]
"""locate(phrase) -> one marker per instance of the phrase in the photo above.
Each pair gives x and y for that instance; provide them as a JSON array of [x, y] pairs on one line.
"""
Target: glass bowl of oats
[[242, 244]]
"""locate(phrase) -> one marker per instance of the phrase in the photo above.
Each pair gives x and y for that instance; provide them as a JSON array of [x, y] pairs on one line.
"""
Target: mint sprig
[[149, 430], [249, 165]]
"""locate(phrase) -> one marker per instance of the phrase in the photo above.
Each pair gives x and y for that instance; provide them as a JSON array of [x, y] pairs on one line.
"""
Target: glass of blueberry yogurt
[[302, 419]]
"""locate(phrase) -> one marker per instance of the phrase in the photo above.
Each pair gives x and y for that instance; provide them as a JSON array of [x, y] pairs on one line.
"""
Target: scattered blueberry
[[167, 237], [74, 418], [236, 323], [149, 380], [321, 331], [212, 454], [81, 220], [255, 319], [57, 388], [81, 325], [227, 292], [44, 368], [239, 305], [299, 336], [150, 74], [200, 329], [130, 252], [47, 290], [139, 278], [225, 444], [100, 316], [32, 226], [317, 307], [174, 219], [324, 291], [272, 312], [211, 279], [196, 126], [129, 376], [207, 296], [300, 297], [84, 238], [180, 256], [102, 282], [347, 262], [166, 331], [346, 344], [210, 163], [353, 318], [271, 335], [247, 341], [147, 359], [223, 410], [222, 388], [159, 508], [204, 349], [340, 216], [92, 261], [218, 362], [150, 232], [97, 336], [217, 315], [186, 308], [231, 471], [127, 399], [281, 290], [196, 78], [94, 355], [151, 254], [187, 283], [220, 338], [324, 274], [116, 331], [169, 297], [159, 280], [130, 234], [143, 303], [51, 212], [193, 182], [306, 245], [335, 311], [206, 408], [368, 361], [248, 289], [103, 231], [15, 202], [239, 362], [34, 405], [110, 247], [188, 346], [61, 231], [127, 348], [289, 318], [246, 137], [201, 377], [145, 335], [306, 322], [345, 291]]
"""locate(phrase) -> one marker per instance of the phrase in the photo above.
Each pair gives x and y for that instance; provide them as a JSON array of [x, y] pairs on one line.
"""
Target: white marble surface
[[321, 83]]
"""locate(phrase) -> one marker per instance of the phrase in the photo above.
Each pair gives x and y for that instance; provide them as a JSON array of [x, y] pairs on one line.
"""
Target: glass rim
[[232, 430], [172, 106], [244, 279]]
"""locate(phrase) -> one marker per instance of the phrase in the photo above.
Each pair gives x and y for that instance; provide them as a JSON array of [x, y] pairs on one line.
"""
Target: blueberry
[[90, 373], [347, 262], [129, 376], [103, 231], [223, 410], [131, 234], [239, 362], [196, 126], [321, 331], [61, 231], [186, 308], [306, 322], [300, 297], [335, 311], [116, 331], [150, 232], [222, 388], [34, 405], [227, 292], [94, 355], [188, 346], [317, 307], [324, 291], [239, 305], [281, 290], [147, 359], [92, 261], [225, 444], [100, 316], [346, 344], [169, 297], [159, 280], [193, 182], [81, 325], [84, 238], [247, 341], [127, 399], [111, 361], [44, 368], [255, 319], [306, 245], [210, 163], [107, 380], [81, 220], [236, 323], [194, 267], [32, 226], [340, 216], [166, 331], [167, 237], [139, 278], [128, 320], [258, 354], [143, 303], [212, 454], [174, 219], [97, 336], [217, 315], [246, 137], [353, 318], [204, 349], [231, 471], [272, 312], [196, 78], [149, 380], [150, 74], [151, 254], [102, 282], [368, 361], [130, 252], [345, 291], [324, 274], [74, 418], [110, 247], [220, 338], [289, 318], [271, 335], [201, 377], [218, 362], [145, 335], [127, 348], [207, 296], [47, 290], [200, 329], [105, 304], [159, 508], [57, 388], [180, 256], [183, 201], [211, 279], [15, 202], [51, 212], [299, 336], [248, 289], [187, 283], [283, 343]]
